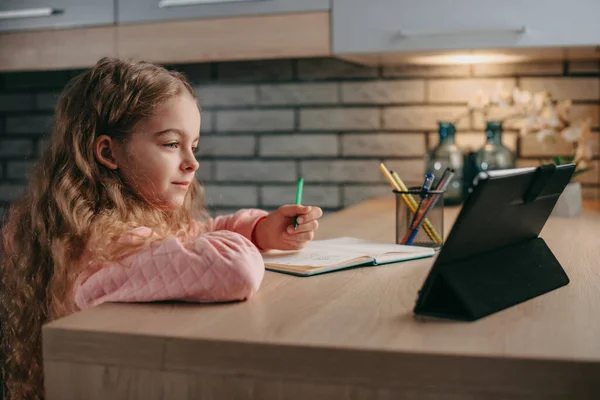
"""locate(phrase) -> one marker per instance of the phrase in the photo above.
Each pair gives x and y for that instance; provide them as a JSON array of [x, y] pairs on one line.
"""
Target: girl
[[113, 213]]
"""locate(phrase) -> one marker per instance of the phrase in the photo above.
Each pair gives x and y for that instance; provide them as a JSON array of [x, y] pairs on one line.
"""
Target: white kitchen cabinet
[[17, 15], [163, 10], [379, 26]]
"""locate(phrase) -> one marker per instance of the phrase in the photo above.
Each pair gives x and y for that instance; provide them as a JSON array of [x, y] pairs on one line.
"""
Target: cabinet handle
[[517, 30], [179, 3], [29, 13]]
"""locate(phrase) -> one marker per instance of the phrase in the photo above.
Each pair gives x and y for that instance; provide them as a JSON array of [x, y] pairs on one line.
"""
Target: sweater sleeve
[[243, 222], [217, 266]]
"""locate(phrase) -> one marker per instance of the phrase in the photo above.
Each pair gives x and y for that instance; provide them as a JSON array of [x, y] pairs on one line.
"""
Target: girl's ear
[[105, 151]]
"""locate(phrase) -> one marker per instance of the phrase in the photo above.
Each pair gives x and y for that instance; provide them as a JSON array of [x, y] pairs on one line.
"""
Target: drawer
[[433, 25], [40, 14], [163, 10]]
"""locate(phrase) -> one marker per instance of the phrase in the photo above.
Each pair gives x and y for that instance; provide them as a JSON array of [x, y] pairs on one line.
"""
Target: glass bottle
[[447, 155], [494, 154]]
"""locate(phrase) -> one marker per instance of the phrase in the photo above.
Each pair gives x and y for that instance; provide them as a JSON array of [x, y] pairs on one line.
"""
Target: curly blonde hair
[[71, 198]]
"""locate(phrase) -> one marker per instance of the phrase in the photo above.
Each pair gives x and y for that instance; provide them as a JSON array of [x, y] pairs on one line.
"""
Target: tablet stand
[[484, 283]]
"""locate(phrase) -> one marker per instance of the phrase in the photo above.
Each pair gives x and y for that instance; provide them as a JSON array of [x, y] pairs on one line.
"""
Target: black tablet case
[[493, 257]]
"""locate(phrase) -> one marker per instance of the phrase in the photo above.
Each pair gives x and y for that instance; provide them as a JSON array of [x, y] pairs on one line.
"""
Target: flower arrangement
[[540, 114]]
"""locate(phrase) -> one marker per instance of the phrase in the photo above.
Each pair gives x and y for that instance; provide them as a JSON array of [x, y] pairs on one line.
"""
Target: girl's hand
[[277, 230]]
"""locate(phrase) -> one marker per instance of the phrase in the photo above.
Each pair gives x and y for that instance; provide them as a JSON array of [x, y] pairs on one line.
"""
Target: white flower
[[581, 163], [529, 124], [584, 149], [549, 118], [543, 134], [539, 113], [571, 133], [563, 109], [539, 100], [501, 96], [584, 152], [480, 101], [521, 99]]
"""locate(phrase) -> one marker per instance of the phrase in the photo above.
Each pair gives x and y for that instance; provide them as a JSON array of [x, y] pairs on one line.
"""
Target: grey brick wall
[[264, 123]]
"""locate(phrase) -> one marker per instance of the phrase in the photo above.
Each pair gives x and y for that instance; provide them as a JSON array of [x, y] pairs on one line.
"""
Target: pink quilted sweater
[[221, 264]]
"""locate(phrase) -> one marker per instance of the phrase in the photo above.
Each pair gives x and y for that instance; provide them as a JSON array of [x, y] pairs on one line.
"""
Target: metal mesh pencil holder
[[429, 230]]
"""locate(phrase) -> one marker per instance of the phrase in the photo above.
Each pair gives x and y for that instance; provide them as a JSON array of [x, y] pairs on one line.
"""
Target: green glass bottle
[[494, 154], [447, 155]]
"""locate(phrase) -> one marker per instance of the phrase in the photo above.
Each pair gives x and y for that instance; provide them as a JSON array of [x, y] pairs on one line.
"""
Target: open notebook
[[321, 256]]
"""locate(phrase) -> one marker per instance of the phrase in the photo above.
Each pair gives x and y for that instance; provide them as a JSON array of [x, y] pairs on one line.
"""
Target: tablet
[[499, 224]]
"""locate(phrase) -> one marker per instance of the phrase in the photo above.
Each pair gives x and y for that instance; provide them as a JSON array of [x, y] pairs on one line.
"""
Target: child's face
[[158, 159]]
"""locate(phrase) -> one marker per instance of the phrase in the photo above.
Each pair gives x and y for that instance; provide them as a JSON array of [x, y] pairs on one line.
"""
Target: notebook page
[[374, 249], [315, 254]]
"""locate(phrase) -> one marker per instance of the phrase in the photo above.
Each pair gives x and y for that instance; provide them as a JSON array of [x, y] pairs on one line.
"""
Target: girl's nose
[[190, 163]]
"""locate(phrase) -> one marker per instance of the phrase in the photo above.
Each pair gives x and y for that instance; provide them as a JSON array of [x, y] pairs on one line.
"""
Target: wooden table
[[345, 335]]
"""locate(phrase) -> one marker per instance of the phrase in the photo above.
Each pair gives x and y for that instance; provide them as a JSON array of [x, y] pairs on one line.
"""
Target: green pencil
[[299, 188]]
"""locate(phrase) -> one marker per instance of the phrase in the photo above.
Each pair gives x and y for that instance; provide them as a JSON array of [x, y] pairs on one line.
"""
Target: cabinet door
[[39, 14], [162, 10], [430, 25]]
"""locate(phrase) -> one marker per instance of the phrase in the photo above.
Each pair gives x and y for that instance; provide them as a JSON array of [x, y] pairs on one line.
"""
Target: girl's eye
[[195, 150], [171, 145]]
